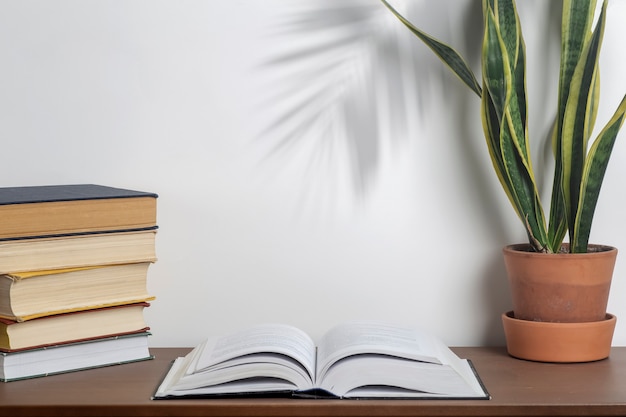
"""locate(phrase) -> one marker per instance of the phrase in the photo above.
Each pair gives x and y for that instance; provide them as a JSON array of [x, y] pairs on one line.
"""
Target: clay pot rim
[[526, 249], [509, 316]]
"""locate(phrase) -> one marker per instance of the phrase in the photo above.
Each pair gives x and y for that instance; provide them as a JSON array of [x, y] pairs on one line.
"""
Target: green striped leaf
[[502, 55], [576, 25], [557, 227], [577, 19], [593, 176], [447, 54], [578, 114], [491, 128]]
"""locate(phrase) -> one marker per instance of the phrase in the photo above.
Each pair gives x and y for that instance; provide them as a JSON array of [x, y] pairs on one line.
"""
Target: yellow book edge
[[17, 276], [27, 317]]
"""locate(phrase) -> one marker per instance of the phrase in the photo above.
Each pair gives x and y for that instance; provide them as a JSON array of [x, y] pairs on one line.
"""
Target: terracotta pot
[[558, 342], [563, 287]]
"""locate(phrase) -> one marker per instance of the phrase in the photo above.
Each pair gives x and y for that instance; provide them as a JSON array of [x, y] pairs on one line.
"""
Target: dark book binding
[[70, 192]]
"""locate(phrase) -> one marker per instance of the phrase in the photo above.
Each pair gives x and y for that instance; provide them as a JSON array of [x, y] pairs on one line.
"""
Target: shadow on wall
[[343, 80], [346, 78], [348, 81]]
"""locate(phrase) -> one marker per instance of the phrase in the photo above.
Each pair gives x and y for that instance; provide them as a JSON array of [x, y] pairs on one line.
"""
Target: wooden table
[[518, 388]]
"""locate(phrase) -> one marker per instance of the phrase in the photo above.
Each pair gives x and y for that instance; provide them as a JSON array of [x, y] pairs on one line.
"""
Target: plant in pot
[[559, 289]]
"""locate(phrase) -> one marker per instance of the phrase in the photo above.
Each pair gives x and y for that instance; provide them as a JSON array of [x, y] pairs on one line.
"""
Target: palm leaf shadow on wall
[[344, 84]]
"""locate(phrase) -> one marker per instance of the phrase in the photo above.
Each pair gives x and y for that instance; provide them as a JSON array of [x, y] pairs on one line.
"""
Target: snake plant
[[580, 165]]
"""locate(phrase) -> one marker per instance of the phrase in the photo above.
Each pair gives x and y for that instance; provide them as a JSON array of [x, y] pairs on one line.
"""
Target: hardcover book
[[361, 359], [72, 327], [72, 357], [53, 210], [28, 295], [73, 251]]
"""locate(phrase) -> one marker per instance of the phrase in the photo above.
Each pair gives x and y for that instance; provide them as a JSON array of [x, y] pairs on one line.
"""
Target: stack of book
[[73, 277]]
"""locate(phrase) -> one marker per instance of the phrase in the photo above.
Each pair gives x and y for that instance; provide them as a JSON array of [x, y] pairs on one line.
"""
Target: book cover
[[55, 210], [70, 192], [353, 360], [29, 295], [64, 358], [72, 327], [77, 250]]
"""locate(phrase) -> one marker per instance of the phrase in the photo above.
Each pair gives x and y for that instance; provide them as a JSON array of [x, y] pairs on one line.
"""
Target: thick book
[[98, 248], [52, 210], [361, 359], [72, 327], [29, 295], [73, 357]]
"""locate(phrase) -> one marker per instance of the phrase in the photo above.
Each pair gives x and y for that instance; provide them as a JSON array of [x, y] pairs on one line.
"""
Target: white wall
[[171, 97]]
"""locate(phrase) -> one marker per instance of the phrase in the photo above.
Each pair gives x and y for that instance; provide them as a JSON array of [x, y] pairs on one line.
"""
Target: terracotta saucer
[[558, 342]]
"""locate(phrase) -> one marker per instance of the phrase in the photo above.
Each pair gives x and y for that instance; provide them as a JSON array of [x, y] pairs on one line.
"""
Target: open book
[[361, 359]]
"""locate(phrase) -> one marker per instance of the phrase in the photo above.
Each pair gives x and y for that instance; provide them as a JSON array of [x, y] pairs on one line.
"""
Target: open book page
[[360, 337], [379, 376], [264, 338], [268, 357], [373, 359]]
